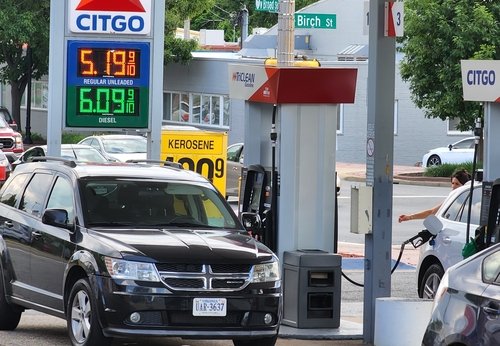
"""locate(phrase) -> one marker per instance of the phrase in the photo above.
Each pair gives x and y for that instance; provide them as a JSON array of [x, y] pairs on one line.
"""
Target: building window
[[452, 127], [196, 109], [340, 119], [39, 95]]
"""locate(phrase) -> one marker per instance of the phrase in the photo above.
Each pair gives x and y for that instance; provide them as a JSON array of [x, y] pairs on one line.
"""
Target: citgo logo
[[110, 16]]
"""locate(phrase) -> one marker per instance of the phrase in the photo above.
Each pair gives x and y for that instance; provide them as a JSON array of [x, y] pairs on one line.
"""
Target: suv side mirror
[[251, 222], [450, 147], [57, 218]]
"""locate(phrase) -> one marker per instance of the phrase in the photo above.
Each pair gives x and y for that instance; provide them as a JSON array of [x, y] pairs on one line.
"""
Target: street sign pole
[[56, 76], [286, 41]]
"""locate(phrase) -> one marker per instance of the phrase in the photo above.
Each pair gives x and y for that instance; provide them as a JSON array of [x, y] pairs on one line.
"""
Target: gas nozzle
[[420, 239]]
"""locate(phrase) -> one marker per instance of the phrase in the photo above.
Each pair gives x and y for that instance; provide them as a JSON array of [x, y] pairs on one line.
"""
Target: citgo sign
[[481, 80], [110, 16], [201, 151]]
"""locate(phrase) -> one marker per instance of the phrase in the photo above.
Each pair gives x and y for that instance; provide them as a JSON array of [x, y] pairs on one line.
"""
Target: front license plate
[[209, 307]]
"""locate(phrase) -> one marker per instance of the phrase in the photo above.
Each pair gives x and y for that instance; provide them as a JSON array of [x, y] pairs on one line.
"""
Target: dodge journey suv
[[130, 250]]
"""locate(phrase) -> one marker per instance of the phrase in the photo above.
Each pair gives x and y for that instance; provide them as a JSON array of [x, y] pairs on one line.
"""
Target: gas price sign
[[107, 84]]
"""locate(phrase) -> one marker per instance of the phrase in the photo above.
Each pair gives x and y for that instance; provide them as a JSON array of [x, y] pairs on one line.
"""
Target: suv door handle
[[8, 224], [491, 311], [446, 240], [36, 234]]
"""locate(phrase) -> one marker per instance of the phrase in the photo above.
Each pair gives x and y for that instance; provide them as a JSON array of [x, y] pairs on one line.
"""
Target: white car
[[119, 147], [445, 250], [458, 152]]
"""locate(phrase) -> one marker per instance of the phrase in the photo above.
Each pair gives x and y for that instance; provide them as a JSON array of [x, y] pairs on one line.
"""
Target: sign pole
[[56, 77]]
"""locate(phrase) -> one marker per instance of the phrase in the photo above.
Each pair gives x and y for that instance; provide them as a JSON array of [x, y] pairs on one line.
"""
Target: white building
[[197, 93]]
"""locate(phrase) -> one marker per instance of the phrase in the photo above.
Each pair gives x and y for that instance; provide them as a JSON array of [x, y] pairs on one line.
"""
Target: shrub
[[447, 169], [71, 137], [38, 138]]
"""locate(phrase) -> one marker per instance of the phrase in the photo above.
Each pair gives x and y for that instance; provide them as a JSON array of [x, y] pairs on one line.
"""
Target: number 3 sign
[[394, 19]]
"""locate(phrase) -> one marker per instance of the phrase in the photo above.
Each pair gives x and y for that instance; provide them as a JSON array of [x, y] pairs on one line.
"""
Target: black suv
[[127, 250]]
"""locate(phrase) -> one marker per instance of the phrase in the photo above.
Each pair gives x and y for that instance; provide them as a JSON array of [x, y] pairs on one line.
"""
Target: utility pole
[[286, 37]]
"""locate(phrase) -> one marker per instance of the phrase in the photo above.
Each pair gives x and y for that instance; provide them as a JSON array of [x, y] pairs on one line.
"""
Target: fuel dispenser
[[256, 197]]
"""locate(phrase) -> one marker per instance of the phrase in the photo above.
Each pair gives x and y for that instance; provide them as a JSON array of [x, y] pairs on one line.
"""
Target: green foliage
[[38, 138], [23, 22], [177, 50], [225, 13], [66, 138], [71, 137], [447, 169], [438, 34]]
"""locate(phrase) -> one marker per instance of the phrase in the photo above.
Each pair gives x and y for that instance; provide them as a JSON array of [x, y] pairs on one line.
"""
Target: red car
[[10, 141]]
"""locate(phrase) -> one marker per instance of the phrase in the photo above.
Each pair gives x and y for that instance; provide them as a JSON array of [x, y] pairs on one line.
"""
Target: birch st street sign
[[315, 21], [267, 5]]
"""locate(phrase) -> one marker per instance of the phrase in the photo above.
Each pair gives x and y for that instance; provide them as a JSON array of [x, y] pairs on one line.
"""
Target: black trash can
[[311, 289]]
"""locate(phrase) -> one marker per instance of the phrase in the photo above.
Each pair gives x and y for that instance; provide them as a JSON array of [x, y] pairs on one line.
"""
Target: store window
[[39, 95], [452, 127], [196, 109]]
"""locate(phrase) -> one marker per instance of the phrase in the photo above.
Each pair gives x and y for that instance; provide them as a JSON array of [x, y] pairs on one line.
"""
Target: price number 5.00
[[107, 101]]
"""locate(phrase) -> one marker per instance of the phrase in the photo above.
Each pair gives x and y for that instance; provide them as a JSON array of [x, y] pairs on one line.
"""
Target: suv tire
[[9, 314], [430, 281], [81, 317]]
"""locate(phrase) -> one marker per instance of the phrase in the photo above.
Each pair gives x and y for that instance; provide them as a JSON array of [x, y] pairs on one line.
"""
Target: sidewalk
[[411, 175]]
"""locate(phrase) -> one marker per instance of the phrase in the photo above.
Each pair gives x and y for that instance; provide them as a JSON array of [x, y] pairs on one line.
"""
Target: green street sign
[[315, 21], [267, 5]]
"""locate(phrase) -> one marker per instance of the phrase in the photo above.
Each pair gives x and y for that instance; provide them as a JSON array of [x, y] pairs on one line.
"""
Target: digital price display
[[118, 63], [107, 84]]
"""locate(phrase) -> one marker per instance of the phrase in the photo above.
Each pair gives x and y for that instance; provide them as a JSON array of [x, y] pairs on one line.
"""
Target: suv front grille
[[7, 143], [204, 277]]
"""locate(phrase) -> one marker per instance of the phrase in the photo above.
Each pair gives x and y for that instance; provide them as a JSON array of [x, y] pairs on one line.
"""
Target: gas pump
[[256, 197], [493, 225]]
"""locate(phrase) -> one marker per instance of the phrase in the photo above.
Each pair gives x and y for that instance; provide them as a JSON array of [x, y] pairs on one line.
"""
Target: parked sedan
[[78, 152], [234, 166], [458, 152], [467, 306], [119, 147], [445, 250]]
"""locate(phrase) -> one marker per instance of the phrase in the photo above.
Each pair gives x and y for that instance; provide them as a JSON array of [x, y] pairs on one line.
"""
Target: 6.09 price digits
[[107, 101]]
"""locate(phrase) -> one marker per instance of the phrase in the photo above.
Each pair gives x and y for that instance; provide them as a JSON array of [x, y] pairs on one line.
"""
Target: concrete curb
[[438, 182]]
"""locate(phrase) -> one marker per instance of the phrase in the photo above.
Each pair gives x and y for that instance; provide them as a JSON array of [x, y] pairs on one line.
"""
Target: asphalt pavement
[[350, 330]]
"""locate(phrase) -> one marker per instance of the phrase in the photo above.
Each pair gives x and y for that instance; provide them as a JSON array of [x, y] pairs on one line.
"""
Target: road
[[406, 199]]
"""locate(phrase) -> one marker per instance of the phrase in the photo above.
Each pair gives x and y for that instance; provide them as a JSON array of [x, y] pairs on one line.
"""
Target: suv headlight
[[128, 270], [267, 272]]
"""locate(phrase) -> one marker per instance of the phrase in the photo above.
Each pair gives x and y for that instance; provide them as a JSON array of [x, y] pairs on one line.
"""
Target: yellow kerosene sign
[[201, 151]]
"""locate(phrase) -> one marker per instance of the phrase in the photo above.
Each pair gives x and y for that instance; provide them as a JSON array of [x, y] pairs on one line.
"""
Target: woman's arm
[[420, 215]]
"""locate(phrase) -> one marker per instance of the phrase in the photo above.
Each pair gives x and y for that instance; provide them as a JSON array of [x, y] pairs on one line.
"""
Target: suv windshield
[[116, 202]]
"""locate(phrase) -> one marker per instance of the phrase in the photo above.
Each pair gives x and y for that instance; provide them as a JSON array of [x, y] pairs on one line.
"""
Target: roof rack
[[67, 162], [166, 163]]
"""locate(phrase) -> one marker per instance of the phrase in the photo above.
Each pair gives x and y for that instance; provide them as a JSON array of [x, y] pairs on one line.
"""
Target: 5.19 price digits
[[99, 62], [107, 101]]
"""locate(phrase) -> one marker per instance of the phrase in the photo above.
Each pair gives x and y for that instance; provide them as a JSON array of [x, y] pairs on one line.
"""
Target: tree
[[23, 22], [224, 16], [178, 50], [438, 34]]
